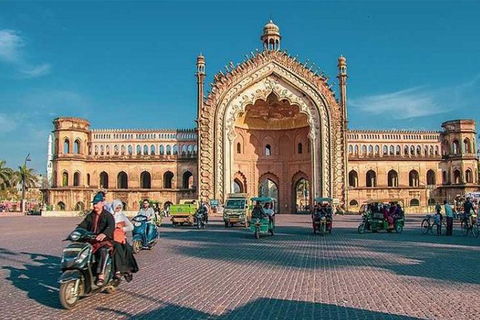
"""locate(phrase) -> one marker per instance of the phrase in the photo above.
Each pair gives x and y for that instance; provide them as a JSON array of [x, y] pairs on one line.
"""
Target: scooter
[[78, 262], [200, 219], [145, 234]]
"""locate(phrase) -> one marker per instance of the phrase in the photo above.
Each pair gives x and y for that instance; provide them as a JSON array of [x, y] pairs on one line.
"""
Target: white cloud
[[36, 71], [421, 101], [12, 49], [10, 45]]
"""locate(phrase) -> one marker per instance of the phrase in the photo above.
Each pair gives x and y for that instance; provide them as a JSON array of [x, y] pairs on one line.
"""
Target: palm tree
[[6, 176], [26, 174]]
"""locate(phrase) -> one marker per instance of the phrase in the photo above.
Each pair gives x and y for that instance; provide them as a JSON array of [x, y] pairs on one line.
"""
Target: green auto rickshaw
[[263, 216], [383, 214]]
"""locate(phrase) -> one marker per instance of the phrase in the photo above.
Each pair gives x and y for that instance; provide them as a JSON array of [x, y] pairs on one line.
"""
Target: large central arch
[[266, 73]]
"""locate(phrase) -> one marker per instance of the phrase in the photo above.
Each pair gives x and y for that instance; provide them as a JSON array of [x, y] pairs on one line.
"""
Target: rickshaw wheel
[[361, 228], [399, 228]]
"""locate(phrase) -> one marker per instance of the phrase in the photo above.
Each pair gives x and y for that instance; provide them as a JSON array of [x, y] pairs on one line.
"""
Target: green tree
[[7, 176], [28, 174]]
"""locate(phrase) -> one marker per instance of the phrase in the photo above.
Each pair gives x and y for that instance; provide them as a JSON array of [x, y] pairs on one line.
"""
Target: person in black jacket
[[467, 210], [101, 222]]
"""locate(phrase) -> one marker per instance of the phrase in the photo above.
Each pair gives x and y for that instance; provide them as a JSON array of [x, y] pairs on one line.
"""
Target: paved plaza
[[221, 273]]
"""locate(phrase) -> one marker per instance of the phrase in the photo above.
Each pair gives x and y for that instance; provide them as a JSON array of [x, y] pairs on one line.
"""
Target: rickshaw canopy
[[263, 199], [323, 200]]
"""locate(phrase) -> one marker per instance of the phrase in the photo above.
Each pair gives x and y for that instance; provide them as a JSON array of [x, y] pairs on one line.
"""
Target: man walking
[[449, 214]]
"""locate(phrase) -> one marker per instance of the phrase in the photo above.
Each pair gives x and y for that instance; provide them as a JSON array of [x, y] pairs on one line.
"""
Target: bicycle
[[428, 226], [469, 225]]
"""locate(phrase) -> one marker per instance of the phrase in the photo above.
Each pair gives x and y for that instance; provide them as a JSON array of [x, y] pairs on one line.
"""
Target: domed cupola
[[271, 36]]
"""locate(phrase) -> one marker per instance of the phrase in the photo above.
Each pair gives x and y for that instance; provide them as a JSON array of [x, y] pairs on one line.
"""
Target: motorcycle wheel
[[137, 246], [198, 224], [68, 298], [257, 233], [361, 228]]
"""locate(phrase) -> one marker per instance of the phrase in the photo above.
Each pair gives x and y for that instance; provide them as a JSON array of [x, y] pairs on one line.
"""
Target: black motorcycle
[[200, 219], [78, 265]]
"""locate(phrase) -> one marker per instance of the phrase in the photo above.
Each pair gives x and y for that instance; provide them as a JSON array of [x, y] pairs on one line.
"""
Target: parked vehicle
[[322, 216], [429, 225], [184, 212], [375, 218], [78, 265], [145, 234], [263, 220], [236, 210]]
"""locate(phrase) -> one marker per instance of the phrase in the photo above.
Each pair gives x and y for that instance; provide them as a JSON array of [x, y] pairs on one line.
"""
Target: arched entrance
[[302, 196], [269, 188]]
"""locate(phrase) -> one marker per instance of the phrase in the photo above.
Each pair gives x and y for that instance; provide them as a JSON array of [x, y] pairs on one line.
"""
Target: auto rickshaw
[[263, 216], [378, 216], [322, 216]]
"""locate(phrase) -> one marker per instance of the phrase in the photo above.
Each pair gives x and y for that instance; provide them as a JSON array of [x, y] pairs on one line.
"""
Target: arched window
[[123, 150], [467, 146], [162, 150], [130, 150], [152, 150], [167, 180], [350, 150], [122, 180], [139, 150], [88, 179], [413, 180], [65, 179], [364, 150], [145, 150], [385, 150], [66, 146], [189, 149], [370, 150], [371, 179], [392, 150], [444, 177], [355, 150], [405, 150], [169, 150], [436, 150], [353, 179], [457, 179], [468, 176], [354, 203], [239, 148], [419, 150], [414, 203], [107, 150], [76, 179], [392, 178], [432, 201], [377, 150], [186, 180], [184, 150], [397, 150], [76, 147], [145, 180], [102, 150], [268, 150], [300, 148], [61, 206], [412, 150], [455, 147], [104, 180], [175, 149], [116, 150], [431, 178]]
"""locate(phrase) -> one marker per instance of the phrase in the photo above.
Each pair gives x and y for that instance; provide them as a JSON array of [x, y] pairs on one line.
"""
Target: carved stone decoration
[[265, 73]]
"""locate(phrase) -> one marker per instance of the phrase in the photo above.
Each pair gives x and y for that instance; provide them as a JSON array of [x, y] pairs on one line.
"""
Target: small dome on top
[[271, 28]]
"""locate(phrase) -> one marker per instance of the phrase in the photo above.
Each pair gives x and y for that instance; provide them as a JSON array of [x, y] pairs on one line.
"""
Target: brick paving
[[221, 273]]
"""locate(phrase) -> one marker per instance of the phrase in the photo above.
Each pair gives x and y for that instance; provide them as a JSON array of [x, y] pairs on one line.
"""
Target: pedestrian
[[449, 215]]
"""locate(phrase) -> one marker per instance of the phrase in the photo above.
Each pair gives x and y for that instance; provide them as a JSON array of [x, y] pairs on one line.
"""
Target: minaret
[[200, 81], [271, 37], [342, 82], [49, 162], [200, 74]]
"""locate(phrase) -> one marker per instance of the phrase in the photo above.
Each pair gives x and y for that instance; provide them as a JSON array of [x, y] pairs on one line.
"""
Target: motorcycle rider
[[101, 222], [205, 212], [148, 212]]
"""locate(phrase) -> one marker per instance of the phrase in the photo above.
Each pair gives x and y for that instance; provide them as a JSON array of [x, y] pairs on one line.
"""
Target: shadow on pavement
[[38, 277], [266, 308]]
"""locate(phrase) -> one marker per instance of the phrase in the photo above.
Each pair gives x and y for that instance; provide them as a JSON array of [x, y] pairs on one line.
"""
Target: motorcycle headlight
[[137, 224], [75, 235]]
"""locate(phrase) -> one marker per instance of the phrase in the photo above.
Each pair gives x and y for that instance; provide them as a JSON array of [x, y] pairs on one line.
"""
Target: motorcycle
[[78, 265], [144, 233], [200, 219]]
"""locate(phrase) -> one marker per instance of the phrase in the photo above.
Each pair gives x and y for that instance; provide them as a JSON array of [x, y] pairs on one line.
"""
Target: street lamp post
[[27, 158]]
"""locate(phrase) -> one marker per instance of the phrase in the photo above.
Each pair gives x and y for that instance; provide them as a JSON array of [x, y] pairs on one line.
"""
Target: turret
[[271, 37]]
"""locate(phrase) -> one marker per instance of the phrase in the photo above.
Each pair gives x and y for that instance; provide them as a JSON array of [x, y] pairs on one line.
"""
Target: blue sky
[[411, 65]]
